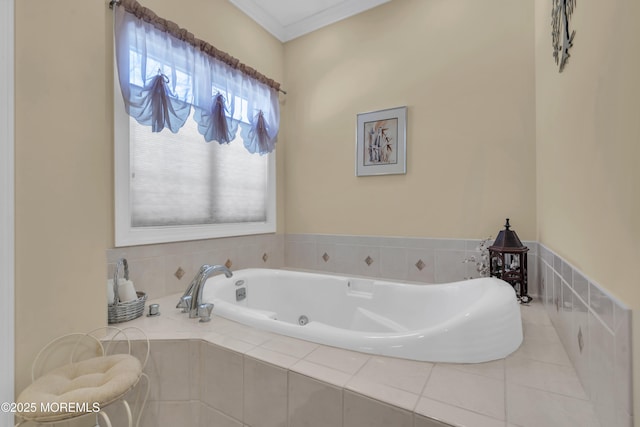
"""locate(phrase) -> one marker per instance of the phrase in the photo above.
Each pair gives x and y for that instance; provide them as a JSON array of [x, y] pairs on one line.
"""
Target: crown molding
[[313, 22]]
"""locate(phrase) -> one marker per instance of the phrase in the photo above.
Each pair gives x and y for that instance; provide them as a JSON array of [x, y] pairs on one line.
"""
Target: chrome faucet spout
[[198, 286], [188, 294]]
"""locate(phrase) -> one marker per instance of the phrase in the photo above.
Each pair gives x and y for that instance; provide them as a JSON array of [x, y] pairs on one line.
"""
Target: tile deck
[[536, 386]]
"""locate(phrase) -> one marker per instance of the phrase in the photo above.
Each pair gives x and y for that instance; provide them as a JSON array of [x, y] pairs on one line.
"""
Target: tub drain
[[303, 320]]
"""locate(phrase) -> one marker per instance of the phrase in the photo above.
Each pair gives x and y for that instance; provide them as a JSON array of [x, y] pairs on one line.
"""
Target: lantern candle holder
[[508, 261]]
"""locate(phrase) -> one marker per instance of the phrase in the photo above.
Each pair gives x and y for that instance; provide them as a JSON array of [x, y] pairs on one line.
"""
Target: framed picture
[[381, 142]]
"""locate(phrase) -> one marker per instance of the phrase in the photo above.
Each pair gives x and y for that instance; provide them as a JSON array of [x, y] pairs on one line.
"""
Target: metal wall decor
[[562, 38]]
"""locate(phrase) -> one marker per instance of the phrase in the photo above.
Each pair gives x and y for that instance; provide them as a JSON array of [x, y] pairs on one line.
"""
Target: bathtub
[[470, 321]]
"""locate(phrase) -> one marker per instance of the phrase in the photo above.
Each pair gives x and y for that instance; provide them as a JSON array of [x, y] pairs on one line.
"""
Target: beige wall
[[63, 169], [465, 70], [64, 150], [588, 133]]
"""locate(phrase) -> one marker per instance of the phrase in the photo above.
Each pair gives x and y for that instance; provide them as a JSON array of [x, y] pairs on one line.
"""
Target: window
[[194, 136], [172, 187]]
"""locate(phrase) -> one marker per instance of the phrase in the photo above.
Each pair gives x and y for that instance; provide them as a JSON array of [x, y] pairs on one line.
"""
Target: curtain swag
[[164, 72]]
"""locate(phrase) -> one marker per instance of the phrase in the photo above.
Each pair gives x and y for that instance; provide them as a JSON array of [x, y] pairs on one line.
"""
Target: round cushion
[[79, 388]]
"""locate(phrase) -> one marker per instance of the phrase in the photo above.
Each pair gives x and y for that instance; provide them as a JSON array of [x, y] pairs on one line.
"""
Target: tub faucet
[[191, 301], [185, 300]]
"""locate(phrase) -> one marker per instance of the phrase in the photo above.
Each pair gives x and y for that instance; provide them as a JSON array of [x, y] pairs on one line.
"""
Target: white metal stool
[[78, 374]]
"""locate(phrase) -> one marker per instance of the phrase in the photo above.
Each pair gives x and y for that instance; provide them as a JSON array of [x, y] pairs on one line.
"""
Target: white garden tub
[[463, 322]]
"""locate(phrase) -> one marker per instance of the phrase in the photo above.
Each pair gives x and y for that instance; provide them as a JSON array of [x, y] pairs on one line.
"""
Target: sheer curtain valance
[[164, 72]]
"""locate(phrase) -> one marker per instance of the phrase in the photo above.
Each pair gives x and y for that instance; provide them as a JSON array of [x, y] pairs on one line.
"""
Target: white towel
[[126, 291], [110, 291]]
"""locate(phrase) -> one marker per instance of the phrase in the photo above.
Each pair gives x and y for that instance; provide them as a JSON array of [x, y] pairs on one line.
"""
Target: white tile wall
[[359, 411], [595, 329], [313, 403], [230, 389], [265, 394], [221, 379], [152, 267], [170, 384], [209, 416], [393, 258]]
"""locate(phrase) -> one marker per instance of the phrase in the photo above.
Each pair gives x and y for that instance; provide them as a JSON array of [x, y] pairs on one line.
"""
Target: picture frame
[[381, 142]]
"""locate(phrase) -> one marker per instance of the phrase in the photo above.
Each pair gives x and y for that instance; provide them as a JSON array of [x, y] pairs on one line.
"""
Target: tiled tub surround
[[595, 329], [165, 269], [398, 258], [225, 374]]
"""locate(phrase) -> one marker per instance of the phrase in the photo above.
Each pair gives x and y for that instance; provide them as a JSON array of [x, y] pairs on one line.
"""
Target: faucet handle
[[185, 303], [204, 311]]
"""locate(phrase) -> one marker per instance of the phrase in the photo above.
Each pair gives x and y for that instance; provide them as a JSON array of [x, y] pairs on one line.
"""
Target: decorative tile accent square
[[420, 265], [228, 264], [368, 260], [325, 257], [179, 273], [265, 257]]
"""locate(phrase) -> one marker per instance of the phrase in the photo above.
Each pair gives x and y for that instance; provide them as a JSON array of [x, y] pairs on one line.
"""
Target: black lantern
[[508, 261]]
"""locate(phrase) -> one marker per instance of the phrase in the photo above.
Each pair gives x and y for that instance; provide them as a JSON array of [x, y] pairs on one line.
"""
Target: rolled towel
[[110, 293], [126, 291]]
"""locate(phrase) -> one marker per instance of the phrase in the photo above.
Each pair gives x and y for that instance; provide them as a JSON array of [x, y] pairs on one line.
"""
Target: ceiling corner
[[288, 19], [262, 17]]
